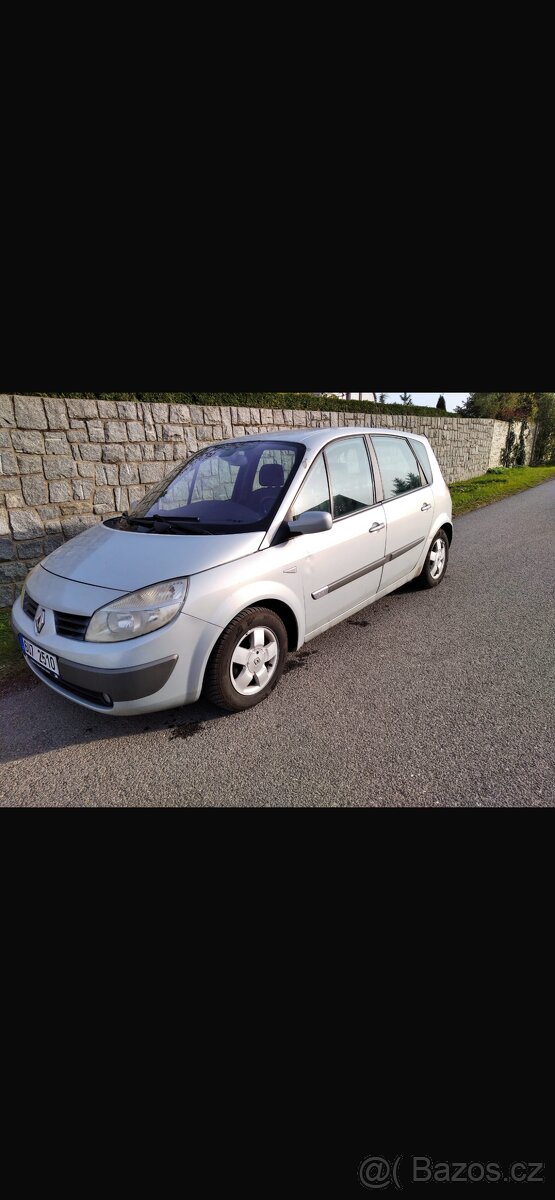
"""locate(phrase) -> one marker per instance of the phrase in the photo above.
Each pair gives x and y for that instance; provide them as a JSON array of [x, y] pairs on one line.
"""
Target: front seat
[[272, 482]]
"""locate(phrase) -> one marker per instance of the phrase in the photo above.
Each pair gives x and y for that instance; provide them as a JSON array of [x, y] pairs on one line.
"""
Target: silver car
[[243, 554]]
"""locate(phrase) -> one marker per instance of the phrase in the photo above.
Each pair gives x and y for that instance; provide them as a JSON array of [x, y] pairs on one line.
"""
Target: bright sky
[[453, 398]]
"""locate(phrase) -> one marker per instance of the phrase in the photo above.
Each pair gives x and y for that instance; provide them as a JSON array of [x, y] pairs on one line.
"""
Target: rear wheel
[[248, 661], [436, 562]]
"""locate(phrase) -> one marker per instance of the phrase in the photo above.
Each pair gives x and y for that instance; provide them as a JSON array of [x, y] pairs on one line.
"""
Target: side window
[[398, 466], [314, 496], [424, 459], [350, 475]]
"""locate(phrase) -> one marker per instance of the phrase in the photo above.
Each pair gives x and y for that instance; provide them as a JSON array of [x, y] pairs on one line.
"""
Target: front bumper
[[104, 689], [163, 670]]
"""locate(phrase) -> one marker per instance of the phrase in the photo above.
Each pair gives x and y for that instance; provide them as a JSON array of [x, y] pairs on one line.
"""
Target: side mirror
[[310, 522]]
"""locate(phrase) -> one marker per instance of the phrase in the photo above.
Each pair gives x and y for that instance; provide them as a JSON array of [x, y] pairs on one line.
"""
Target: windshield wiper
[[175, 523], [172, 524]]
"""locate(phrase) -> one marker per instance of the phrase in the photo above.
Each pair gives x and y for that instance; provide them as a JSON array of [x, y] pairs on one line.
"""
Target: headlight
[[141, 612]]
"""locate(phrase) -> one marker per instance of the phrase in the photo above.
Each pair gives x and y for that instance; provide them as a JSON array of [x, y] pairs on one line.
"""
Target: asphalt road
[[426, 699]]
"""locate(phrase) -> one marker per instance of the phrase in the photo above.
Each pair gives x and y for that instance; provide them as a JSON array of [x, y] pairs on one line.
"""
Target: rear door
[[343, 567], [408, 503]]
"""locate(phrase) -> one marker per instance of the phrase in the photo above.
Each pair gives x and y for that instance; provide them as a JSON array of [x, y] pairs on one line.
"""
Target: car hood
[[124, 561]]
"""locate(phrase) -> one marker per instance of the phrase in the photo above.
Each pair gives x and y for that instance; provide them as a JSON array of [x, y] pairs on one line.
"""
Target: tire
[[248, 661], [434, 568]]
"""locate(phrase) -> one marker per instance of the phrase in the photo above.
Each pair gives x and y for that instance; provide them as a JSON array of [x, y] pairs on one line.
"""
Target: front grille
[[29, 606], [70, 626], [97, 698]]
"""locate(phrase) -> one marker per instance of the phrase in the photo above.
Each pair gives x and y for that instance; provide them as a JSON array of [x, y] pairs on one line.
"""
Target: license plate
[[41, 657]]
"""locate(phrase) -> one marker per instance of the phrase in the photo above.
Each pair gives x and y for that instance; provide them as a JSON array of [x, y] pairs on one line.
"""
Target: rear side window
[[350, 476], [424, 459], [398, 466]]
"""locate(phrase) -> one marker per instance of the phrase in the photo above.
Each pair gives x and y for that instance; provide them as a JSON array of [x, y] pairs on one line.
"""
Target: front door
[[409, 506], [343, 567]]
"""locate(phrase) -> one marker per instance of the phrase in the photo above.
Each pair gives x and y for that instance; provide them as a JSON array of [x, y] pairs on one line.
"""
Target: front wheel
[[436, 562], [248, 661]]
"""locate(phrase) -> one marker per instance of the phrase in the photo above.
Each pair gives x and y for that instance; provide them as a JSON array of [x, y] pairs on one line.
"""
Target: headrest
[[272, 475]]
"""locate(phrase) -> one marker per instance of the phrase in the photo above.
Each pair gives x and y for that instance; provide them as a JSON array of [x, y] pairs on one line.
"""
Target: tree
[[544, 448], [520, 456], [503, 406], [441, 404], [406, 398]]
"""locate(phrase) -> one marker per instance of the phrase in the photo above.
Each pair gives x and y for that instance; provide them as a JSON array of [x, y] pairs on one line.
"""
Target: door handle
[[426, 508], [376, 528]]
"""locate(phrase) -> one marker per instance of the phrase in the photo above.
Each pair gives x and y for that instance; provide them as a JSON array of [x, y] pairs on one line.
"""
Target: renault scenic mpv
[[243, 554]]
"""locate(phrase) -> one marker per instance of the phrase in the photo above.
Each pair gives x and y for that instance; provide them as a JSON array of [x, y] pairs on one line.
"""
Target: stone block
[[28, 442], [29, 413], [96, 431], [121, 499], [7, 595], [127, 410], [59, 467], [181, 451], [7, 549], [8, 463], [56, 414], [134, 453], [25, 523], [72, 526], [35, 489], [113, 454], [136, 494], [7, 417], [172, 433], [151, 472], [27, 550], [91, 453], [13, 499], [128, 473], [180, 414], [53, 542], [84, 410], [56, 443], [160, 412], [108, 409], [104, 496], [135, 431], [29, 464], [60, 491], [116, 431], [83, 489]]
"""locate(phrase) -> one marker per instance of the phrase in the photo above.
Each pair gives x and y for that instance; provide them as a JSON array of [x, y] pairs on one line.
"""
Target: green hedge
[[251, 399]]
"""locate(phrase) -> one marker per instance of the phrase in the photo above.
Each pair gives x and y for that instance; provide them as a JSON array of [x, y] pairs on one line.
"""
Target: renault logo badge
[[40, 620]]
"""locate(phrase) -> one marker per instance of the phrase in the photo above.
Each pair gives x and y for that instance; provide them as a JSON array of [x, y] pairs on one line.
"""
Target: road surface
[[443, 698]]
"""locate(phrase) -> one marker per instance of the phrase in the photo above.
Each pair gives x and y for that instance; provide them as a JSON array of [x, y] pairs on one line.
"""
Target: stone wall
[[67, 464], [499, 439]]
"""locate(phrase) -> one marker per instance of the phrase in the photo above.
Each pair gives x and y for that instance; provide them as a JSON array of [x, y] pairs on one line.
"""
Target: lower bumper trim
[[122, 686]]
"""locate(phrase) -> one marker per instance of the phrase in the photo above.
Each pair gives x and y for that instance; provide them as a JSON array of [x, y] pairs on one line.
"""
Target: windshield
[[235, 487]]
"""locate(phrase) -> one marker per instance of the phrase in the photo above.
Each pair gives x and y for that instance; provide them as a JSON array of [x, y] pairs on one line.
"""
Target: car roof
[[316, 439]]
